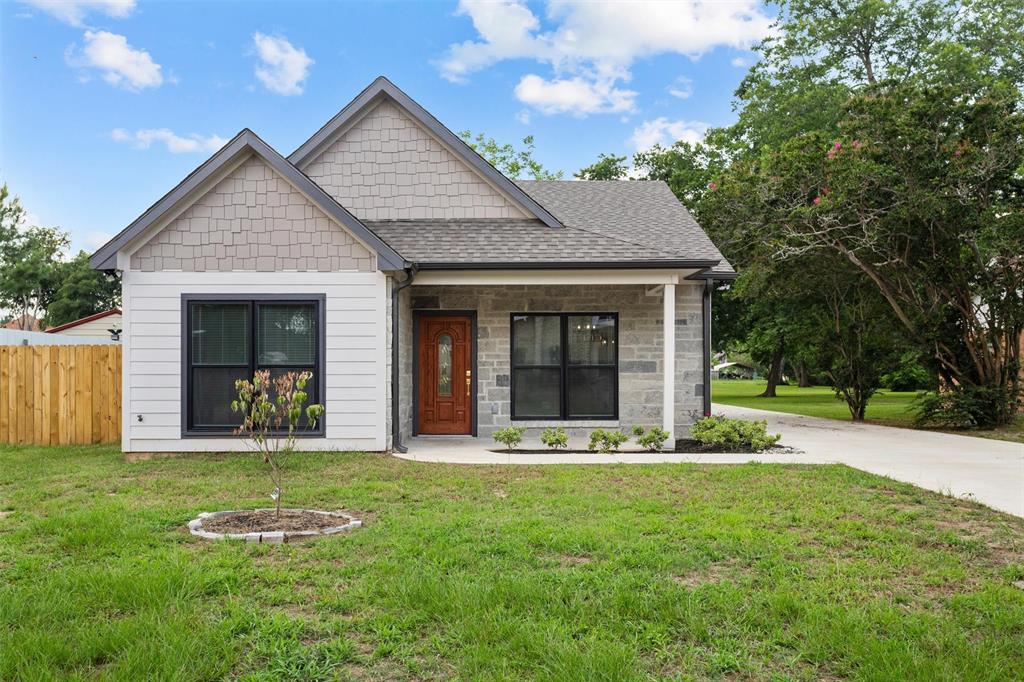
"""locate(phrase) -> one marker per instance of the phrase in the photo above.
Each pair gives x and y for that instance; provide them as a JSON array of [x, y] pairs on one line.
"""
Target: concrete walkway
[[989, 471]]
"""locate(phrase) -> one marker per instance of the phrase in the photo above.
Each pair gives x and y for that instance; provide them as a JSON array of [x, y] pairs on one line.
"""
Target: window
[[565, 366], [229, 338]]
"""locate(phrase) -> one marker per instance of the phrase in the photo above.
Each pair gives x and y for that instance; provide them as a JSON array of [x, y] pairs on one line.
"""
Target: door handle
[[469, 374]]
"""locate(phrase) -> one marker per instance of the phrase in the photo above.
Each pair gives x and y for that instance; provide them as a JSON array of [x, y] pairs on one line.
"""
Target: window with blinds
[[231, 339], [565, 366]]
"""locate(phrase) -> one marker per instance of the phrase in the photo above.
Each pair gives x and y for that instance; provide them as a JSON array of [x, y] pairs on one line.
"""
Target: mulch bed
[[266, 521], [683, 445]]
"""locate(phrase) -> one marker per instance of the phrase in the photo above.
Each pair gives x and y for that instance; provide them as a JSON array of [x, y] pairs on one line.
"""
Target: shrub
[[555, 438], [909, 375], [606, 441], [510, 436], [652, 440], [966, 407], [272, 418], [734, 433]]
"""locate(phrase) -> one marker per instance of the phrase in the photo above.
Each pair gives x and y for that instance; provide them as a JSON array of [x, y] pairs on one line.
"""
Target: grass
[[886, 407], [565, 573]]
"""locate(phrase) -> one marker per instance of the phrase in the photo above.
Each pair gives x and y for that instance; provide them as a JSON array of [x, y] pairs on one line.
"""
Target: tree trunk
[[803, 375], [775, 372]]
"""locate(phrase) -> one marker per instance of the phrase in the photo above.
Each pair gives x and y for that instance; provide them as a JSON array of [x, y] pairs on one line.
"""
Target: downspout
[[706, 323], [396, 427]]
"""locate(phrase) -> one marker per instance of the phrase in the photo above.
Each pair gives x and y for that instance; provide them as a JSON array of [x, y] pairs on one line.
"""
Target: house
[[734, 370], [425, 291], [104, 325], [25, 322]]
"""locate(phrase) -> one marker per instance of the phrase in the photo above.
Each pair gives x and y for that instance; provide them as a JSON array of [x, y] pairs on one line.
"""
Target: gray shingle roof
[[604, 222]]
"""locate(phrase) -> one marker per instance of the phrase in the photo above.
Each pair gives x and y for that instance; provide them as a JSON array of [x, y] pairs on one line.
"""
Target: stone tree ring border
[[346, 523]]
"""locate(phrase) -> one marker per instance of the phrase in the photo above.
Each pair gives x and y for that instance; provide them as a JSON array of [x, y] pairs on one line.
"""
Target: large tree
[[83, 291], [30, 262], [890, 134]]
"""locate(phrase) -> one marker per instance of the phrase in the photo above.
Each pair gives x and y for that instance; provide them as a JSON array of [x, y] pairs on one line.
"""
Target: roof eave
[[569, 265]]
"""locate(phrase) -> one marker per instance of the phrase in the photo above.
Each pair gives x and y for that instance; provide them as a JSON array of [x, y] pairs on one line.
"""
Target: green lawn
[[817, 401], [886, 407], [569, 573]]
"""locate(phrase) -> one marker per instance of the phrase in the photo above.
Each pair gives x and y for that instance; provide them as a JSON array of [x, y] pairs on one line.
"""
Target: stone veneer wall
[[640, 347], [255, 220], [385, 167]]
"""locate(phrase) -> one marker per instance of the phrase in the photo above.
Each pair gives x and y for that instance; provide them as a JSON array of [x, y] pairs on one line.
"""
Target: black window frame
[[564, 366], [319, 301]]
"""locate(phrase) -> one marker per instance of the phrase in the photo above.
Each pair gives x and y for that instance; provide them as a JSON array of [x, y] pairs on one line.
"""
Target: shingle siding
[[386, 167], [253, 219]]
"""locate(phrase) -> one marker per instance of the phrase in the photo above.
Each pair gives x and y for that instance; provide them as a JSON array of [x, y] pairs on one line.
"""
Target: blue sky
[[107, 104]]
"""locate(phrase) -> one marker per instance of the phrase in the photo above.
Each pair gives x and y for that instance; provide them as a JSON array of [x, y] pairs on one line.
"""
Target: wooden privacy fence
[[60, 395]]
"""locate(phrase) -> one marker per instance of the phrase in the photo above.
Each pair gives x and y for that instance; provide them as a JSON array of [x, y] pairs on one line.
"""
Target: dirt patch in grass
[[712, 574], [266, 521]]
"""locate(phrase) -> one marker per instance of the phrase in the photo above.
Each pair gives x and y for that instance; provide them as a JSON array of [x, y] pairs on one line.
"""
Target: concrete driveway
[[989, 471]]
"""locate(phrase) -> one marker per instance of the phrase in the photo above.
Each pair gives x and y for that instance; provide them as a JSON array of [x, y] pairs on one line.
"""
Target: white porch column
[[668, 403]]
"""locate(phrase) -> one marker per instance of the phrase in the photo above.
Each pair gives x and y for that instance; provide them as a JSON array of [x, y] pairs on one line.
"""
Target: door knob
[[469, 374]]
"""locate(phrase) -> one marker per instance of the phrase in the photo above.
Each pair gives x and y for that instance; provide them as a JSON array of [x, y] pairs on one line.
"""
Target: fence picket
[[67, 395]]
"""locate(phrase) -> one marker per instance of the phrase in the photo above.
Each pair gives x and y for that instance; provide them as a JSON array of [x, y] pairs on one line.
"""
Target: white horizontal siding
[[95, 328], [354, 363]]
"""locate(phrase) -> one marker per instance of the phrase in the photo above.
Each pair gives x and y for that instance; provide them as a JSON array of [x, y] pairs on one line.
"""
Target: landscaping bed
[[271, 526], [683, 445]]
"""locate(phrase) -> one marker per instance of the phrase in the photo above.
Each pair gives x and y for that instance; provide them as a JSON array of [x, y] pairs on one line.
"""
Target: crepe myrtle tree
[[922, 193], [273, 418]]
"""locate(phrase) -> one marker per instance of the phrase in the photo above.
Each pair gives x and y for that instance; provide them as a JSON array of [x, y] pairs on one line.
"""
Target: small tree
[[272, 418]]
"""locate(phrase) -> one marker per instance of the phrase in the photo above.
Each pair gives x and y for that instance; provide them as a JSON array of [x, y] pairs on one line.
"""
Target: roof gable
[[243, 145], [380, 92], [252, 220]]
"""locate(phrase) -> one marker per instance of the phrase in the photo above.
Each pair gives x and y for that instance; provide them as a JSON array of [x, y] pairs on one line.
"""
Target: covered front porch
[[577, 349]]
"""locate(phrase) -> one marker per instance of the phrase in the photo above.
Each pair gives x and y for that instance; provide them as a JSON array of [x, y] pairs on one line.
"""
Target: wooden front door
[[445, 359]]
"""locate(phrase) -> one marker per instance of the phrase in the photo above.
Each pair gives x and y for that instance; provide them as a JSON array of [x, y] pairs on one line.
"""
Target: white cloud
[[664, 132], [682, 88], [577, 96], [121, 64], [74, 11], [284, 67], [597, 42], [738, 62], [523, 117], [176, 144]]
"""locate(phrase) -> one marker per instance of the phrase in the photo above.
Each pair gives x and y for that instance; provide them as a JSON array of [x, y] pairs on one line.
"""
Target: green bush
[[606, 441], [652, 440], [555, 438], [733, 433], [909, 375], [967, 407], [510, 436]]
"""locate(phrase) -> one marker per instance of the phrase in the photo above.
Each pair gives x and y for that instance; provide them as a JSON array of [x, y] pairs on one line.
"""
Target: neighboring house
[[25, 322], [427, 293], [734, 370], [105, 325]]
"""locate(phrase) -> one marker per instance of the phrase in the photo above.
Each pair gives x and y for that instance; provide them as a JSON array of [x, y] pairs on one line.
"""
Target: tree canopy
[[517, 164], [36, 279]]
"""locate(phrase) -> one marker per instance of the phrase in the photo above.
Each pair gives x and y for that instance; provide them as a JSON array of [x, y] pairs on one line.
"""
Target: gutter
[[396, 430], [569, 265]]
